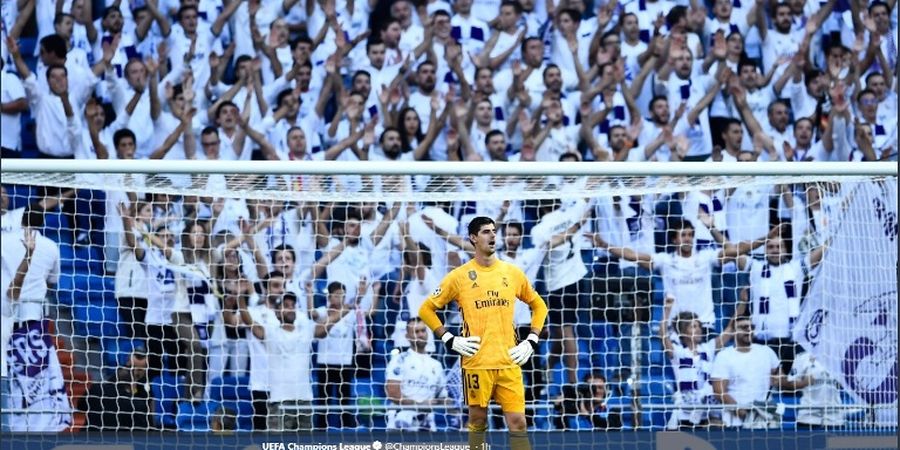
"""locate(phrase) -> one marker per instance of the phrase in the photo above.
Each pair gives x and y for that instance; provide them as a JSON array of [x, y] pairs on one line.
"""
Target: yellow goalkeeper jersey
[[486, 297]]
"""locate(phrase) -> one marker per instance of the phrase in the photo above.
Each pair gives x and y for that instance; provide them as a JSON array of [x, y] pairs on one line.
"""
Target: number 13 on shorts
[[505, 386]]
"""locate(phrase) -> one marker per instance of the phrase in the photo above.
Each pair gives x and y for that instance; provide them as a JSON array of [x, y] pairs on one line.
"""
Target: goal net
[[752, 297]]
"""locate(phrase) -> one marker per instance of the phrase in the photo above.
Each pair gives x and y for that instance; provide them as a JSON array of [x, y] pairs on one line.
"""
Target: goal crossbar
[[450, 168]]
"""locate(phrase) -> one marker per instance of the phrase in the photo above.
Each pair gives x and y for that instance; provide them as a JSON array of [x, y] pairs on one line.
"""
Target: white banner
[[849, 317]]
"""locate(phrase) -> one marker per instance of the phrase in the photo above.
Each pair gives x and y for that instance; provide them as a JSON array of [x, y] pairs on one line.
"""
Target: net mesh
[[183, 284]]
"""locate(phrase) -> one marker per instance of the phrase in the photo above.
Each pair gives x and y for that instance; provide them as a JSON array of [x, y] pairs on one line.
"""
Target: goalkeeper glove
[[521, 353], [466, 346]]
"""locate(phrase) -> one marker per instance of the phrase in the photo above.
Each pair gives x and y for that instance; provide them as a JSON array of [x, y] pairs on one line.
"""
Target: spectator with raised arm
[[288, 343], [30, 272], [687, 273], [692, 353]]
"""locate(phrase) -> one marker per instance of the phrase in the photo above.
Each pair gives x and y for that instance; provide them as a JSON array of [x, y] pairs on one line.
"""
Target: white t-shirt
[[131, 276], [385, 256], [49, 118], [162, 284], [747, 213], [689, 280], [12, 219], [628, 223], [825, 391], [259, 353], [289, 360], [421, 379], [777, 45], [352, 264], [748, 375], [775, 296], [558, 142], [564, 264], [338, 346], [42, 271], [423, 235], [10, 128]]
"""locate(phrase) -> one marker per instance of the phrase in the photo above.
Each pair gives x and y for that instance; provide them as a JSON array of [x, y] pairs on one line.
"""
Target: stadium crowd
[[304, 305]]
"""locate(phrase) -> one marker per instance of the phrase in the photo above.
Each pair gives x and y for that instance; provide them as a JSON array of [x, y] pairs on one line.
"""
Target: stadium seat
[[98, 320], [655, 419], [378, 381], [117, 350], [244, 411], [654, 355], [54, 224], [166, 391], [655, 390], [362, 387], [230, 388], [195, 416]]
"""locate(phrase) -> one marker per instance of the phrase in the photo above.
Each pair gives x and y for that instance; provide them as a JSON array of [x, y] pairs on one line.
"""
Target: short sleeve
[[13, 87], [394, 370], [773, 360], [540, 234], [710, 256], [446, 292], [721, 369], [661, 261]]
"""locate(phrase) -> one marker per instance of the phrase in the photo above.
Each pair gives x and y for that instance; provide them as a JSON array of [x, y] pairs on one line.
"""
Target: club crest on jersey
[[436, 292], [472, 275]]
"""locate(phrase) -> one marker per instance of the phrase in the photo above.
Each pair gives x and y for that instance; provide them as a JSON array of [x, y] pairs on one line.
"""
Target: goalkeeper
[[486, 290]]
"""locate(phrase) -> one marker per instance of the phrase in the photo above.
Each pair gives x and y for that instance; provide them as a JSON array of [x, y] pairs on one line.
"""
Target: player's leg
[[477, 426], [509, 392], [478, 385]]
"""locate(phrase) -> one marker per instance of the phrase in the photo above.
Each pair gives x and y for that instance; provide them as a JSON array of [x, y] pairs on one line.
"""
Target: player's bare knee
[[516, 422], [477, 418]]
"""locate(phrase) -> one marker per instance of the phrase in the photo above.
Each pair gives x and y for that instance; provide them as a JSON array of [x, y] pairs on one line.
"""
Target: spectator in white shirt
[[12, 104], [691, 354], [288, 343], [887, 98], [820, 393], [564, 272], [414, 378], [775, 291], [336, 363], [743, 375], [46, 107], [412, 34], [30, 271], [686, 272]]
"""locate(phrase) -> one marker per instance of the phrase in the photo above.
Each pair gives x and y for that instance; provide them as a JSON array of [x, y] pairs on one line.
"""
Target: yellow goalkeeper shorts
[[505, 386]]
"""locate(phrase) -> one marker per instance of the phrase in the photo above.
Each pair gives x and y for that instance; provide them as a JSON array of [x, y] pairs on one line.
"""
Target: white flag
[[849, 317]]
